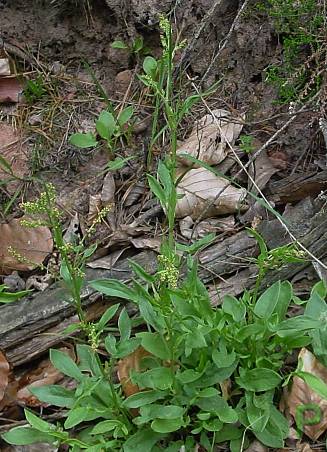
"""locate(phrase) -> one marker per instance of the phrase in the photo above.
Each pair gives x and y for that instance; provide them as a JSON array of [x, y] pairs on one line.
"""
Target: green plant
[[246, 143], [43, 212], [34, 90], [300, 27], [8, 297], [109, 127], [136, 48], [208, 375]]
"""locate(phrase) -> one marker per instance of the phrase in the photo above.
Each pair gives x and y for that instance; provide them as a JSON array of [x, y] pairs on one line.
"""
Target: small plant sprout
[[108, 127]]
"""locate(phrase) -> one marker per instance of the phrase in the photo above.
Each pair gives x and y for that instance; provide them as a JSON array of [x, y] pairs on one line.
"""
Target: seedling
[[109, 129]]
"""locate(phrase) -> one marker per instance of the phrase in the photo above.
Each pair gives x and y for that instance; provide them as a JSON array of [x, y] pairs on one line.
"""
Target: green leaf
[[275, 299], [222, 359], [219, 406], [142, 441], [143, 398], [155, 344], [315, 383], [105, 125], [88, 360], [114, 288], [259, 379], [119, 45], [65, 364], [83, 140], [156, 411], [75, 417], [296, 324], [228, 433], [150, 66], [157, 190], [5, 165], [124, 325], [127, 347], [167, 425], [234, 307], [157, 378], [37, 423], [21, 436], [9, 297], [191, 249], [117, 164], [105, 426], [140, 272], [276, 430], [106, 317], [54, 395], [125, 115]]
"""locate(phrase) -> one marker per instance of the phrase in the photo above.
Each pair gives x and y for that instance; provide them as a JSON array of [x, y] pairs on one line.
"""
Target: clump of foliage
[[300, 26], [206, 375]]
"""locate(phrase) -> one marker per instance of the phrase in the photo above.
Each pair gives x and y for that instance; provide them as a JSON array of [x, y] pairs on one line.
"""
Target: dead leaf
[[256, 446], [23, 248], [262, 170], [211, 225], [44, 374], [10, 90], [94, 208], [302, 394], [209, 138], [11, 149], [150, 243], [4, 66], [72, 230], [107, 262], [4, 374], [200, 187], [125, 365], [108, 190]]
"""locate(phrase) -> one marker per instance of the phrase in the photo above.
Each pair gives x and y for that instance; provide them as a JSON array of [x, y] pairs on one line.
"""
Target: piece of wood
[[298, 186]]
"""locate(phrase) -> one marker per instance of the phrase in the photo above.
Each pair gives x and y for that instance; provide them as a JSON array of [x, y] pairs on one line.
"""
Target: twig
[[226, 39], [188, 49]]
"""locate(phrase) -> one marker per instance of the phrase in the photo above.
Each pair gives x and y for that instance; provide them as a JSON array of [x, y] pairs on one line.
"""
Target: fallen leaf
[[4, 374], [209, 138], [11, 149], [256, 446], [205, 227], [23, 248], [44, 374], [200, 188], [4, 66], [107, 262], [261, 171], [150, 243], [72, 231], [301, 394], [108, 190], [125, 365], [10, 90]]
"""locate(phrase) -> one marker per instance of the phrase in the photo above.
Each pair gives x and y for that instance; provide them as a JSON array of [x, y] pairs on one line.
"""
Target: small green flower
[[169, 272]]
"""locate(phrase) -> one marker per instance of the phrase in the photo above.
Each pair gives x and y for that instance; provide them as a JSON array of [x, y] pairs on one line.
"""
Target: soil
[[67, 45]]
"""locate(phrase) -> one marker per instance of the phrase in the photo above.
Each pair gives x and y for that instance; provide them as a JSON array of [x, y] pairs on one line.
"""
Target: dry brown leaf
[[211, 225], [107, 262], [23, 248], [262, 170], [209, 138], [301, 393], [4, 374], [151, 243], [4, 66], [11, 149], [201, 187], [10, 90], [44, 374], [125, 365], [108, 190], [256, 446]]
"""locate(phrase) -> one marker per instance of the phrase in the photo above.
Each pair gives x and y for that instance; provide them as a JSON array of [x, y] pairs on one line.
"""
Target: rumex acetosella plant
[[203, 375]]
